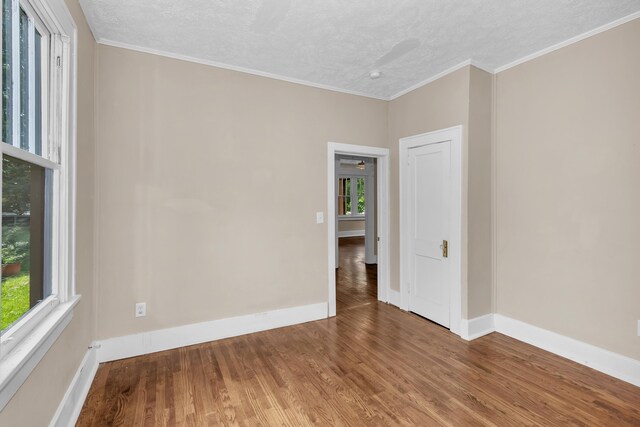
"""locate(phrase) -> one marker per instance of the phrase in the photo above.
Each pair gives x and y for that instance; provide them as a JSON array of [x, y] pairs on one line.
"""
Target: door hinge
[[445, 249]]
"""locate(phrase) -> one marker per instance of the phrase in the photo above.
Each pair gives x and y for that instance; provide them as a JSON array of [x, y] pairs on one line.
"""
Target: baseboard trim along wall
[[613, 364], [351, 233], [605, 361], [196, 333], [476, 327], [618, 366], [69, 409], [608, 362]]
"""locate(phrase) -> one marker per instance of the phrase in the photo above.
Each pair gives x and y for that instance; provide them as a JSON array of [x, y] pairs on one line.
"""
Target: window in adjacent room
[[351, 200]]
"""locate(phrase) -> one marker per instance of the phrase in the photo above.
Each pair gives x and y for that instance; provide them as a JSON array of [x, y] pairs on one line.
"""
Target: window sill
[[16, 365], [351, 218]]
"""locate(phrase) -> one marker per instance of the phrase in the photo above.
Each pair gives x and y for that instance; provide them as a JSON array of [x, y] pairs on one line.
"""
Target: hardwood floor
[[373, 364], [356, 282]]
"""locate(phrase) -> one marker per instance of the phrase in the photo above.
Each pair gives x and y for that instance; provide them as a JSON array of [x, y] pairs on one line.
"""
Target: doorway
[[430, 226], [381, 214], [355, 202], [356, 265]]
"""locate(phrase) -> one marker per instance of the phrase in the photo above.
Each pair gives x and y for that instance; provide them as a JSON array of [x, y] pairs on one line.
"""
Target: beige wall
[[447, 102], [37, 400], [202, 213], [479, 283], [568, 203]]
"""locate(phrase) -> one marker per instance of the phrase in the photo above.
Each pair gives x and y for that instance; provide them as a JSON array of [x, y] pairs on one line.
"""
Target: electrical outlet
[[141, 309], [319, 217]]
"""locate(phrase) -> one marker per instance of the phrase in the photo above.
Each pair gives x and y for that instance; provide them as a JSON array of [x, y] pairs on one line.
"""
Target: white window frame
[[353, 216], [366, 174], [24, 344]]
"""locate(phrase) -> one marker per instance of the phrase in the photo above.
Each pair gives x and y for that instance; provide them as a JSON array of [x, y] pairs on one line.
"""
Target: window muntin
[[7, 73], [24, 79]]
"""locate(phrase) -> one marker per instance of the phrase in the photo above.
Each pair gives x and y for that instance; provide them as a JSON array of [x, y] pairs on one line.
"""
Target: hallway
[[356, 282]]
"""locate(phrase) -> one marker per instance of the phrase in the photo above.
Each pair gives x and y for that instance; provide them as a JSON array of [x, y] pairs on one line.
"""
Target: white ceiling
[[336, 43]]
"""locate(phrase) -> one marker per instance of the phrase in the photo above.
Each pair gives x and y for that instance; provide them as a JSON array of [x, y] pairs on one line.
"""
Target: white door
[[429, 205]]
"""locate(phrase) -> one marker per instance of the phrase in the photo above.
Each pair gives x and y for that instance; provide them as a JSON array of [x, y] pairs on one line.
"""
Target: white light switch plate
[[319, 217]]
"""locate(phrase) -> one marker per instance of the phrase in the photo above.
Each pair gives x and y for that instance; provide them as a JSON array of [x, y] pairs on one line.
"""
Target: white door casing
[[369, 236], [453, 136], [428, 208]]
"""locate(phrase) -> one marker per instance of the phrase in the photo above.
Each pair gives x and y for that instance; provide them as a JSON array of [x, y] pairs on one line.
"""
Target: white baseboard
[[616, 365], [476, 327], [351, 233], [394, 297], [181, 336], [610, 363], [69, 409]]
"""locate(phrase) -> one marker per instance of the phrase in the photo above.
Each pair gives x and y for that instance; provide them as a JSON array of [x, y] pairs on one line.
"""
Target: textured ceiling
[[336, 43]]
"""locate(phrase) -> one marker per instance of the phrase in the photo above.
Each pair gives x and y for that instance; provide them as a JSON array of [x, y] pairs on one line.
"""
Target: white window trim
[[18, 364], [48, 320], [354, 175]]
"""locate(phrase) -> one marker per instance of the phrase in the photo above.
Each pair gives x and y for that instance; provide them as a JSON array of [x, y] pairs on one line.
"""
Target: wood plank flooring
[[371, 365], [356, 282]]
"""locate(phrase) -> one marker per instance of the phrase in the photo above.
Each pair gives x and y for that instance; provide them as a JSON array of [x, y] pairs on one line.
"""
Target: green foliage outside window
[[360, 189], [15, 246], [16, 188]]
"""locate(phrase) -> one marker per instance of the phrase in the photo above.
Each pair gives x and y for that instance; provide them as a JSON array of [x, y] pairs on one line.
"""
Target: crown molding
[[568, 42], [468, 62], [187, 58], [431, 79]]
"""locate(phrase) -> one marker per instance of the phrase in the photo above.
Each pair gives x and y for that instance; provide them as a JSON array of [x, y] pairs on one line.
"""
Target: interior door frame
[[382, 216], [453, 135]]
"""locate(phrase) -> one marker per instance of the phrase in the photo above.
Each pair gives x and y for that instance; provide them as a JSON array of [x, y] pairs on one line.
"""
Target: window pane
[[24, 80], [344, 202], [7, 86], [26, 238], [361, 196]]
